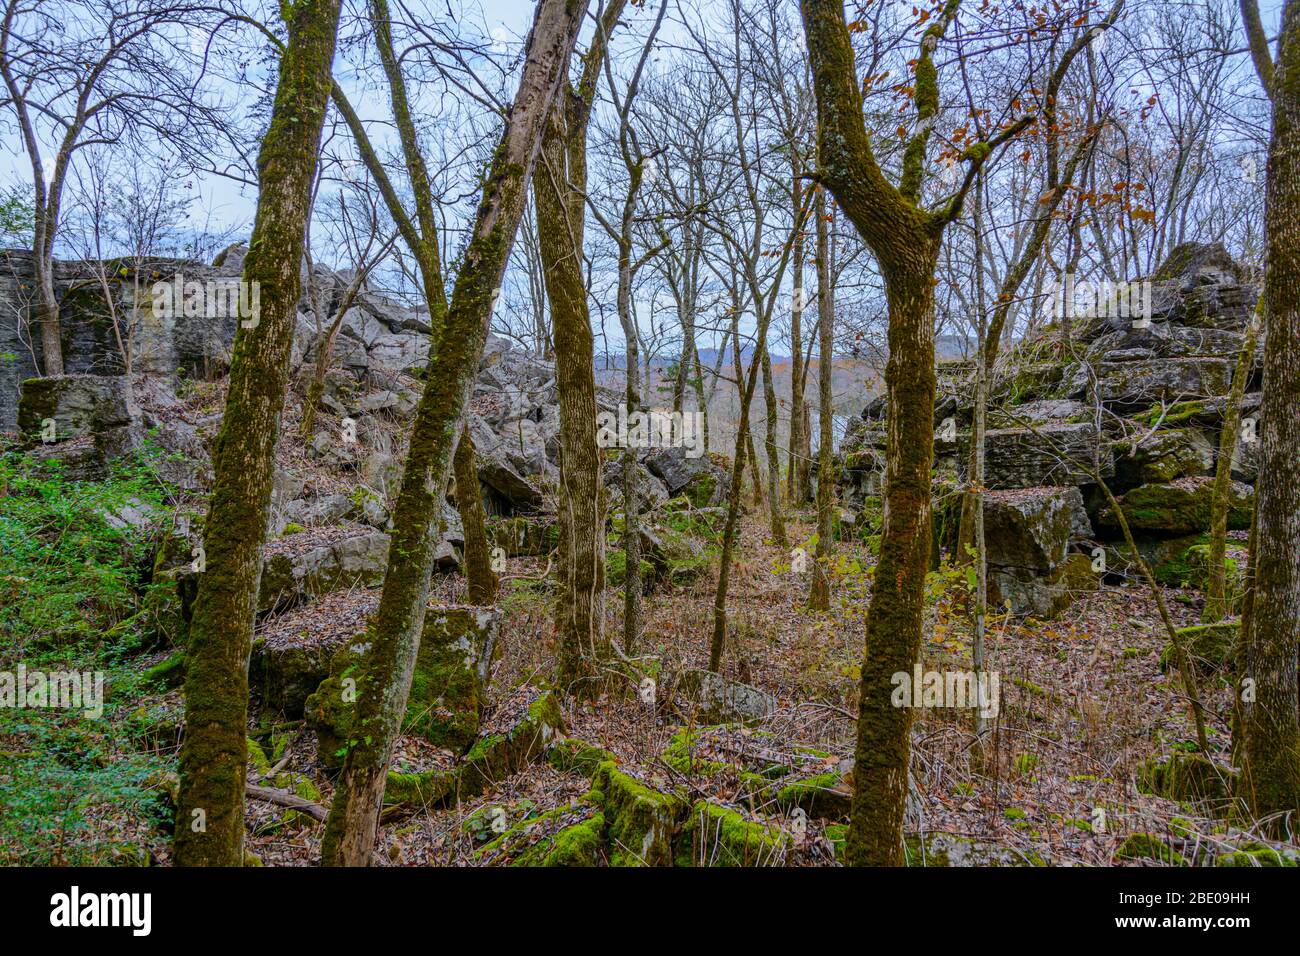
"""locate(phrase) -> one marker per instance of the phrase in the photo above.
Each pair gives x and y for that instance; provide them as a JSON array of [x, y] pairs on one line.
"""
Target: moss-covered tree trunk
[[631, 489], [559, 196], [797, 447], [482, 579], [1272, 752], [580, 609], [819, 594], [770, 448], [905, 239], [210, 809], [384, 683]]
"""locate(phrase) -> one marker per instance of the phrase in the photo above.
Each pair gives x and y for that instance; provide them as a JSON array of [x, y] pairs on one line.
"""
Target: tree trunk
[[385, 680], [773, 456], [896, 609], [906, 241], [1272, 753], [481, 578], [819, 595], [210, 809], [797, 461], [1216, 606], [47, 316]]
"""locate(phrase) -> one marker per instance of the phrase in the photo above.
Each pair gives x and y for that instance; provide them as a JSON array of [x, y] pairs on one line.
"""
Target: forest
[[650, 433]]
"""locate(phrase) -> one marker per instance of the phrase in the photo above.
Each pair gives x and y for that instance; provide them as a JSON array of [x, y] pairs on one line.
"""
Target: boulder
[[1210, 646], [309, 564], [715, 699], [1057, 455], [650, 490], [1162, 456], [1133, 385], [1044, 596], [675, 469], [448, 686], [717, 835], [1031, 528], [1178, 508], [292, 652], [93, 420]]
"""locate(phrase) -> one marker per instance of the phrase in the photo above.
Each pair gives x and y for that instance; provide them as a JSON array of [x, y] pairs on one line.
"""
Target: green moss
[[576, 756], [1144, 846], [581, 844], [1257, 854], [1182, 507], [640, 820], [169, 672], [1026, 763], [616, 569], [415, 790], [1210, 646], [447, 696], [821, 796], [702, 489], [720, 836], [257, 757], [1175, 414], [680, 754], [1185, 776]]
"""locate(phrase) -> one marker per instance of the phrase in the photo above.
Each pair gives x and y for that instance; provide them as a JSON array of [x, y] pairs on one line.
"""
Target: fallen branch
[[283, 798]]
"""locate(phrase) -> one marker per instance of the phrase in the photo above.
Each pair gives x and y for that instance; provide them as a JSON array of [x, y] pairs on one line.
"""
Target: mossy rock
[[284, 678], [1210, 646], [1179, 507], [492, 758], [715, 835], [168, 602], [580, 844], [431, 788], [521, 536], [703, 490], [448, 685], [1144, 846], [1185, 776], [823, 796], [1163, 456], [640, 820], [1258, 854], [576, 756], [680, 753], [1179, 413]]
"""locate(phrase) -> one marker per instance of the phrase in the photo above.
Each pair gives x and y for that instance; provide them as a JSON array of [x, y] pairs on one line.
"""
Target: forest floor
[[1084, 703]]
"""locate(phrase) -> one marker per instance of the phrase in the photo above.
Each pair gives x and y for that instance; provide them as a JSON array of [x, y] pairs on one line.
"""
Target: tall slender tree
[[385, 681], [1271, 722], [905, 238], [559, 194], [210, 809]]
